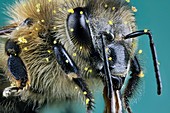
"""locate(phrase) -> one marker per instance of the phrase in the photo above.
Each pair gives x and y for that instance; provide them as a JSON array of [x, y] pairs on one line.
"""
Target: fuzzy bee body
[[61, 48]]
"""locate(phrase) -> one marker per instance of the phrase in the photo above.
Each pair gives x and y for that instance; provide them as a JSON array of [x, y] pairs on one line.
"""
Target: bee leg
[[132, 84], [72, 71], [154, 55], [15, 63]]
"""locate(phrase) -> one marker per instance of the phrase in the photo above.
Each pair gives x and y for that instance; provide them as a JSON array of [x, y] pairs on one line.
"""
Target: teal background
[[153, 15]]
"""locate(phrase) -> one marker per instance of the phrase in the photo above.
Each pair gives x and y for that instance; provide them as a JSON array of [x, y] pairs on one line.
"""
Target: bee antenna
[[106, 66], [154, 55], [7, 29]]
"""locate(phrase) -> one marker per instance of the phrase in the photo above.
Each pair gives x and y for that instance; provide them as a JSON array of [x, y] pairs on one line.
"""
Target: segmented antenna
[[154, 55]]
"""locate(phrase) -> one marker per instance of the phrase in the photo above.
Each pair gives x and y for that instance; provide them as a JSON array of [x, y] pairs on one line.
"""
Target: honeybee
[[64, 50]]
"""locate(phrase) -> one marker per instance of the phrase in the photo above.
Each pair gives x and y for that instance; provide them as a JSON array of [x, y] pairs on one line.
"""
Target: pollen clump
[[71, 11], [87, 101], [141, 75], [38, 7], [134, 9], [22, 40]]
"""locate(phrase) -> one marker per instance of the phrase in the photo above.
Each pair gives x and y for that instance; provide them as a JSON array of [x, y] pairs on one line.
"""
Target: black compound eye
[[12, 48], [78, 28]]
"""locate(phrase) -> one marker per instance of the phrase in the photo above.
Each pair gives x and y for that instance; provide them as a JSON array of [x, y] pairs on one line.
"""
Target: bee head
[[81, 34]]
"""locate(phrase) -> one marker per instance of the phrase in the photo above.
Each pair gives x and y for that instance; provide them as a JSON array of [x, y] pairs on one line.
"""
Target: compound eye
[[12, 48], [78, 28]]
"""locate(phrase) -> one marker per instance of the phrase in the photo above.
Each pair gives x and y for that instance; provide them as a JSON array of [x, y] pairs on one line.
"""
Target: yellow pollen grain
[[87, 101], [42, 21], [85, 93], [76, 87], [105, 5], [81, 47], [25, 48], [74, 54], [140, 51], [110, 22], [71, 11], [127, 1], [54, 27], [66, 61], [47, 59], [71, 29], [38, 22], [86, 68], [49, 0], [36, 29], [38, 10], [54, 42], [141, 74], [145, 30], [54, 11], [59, 9], [90, 70], [81, 12], [110, 58], [49, 51], [134, 9], [113, 8], [87, 21], [38, 5]]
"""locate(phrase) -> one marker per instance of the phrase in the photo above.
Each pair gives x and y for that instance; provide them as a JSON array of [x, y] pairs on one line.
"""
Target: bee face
[[55, 48]]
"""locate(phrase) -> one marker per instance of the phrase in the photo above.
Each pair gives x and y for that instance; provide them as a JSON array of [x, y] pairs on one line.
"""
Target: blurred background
[[153, 15]]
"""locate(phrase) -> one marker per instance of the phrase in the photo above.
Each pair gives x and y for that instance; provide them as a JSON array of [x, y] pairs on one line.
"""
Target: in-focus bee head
[[87, 32]]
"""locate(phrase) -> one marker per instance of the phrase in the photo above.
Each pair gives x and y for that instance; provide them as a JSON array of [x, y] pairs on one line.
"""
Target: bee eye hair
[[78, 27]]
